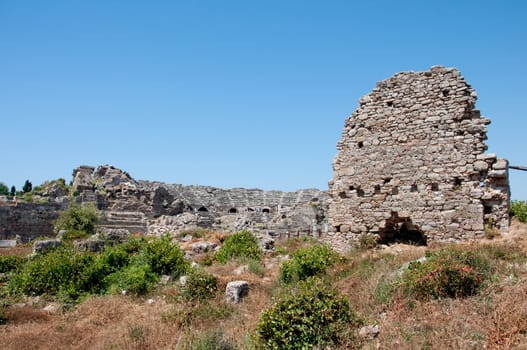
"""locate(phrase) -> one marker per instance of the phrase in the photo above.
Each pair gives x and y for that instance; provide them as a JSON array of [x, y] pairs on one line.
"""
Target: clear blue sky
[[235, 93]]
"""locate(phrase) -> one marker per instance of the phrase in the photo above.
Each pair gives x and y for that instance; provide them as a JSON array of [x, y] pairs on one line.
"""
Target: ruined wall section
[[412, 156], [25, 221]]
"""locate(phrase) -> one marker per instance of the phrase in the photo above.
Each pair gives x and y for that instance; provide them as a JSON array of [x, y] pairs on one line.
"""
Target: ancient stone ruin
[[157, 208], [411, 164]]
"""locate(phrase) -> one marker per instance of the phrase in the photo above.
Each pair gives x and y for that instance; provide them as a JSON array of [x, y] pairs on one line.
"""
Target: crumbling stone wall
[[411, 164]]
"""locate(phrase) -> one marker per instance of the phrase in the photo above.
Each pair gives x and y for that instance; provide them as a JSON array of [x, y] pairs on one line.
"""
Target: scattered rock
[[241, 269], [202, 247], [165, 280], [187, 238], [115, 235], [52, 308], [369, 332], [183, 281], [90, 245]]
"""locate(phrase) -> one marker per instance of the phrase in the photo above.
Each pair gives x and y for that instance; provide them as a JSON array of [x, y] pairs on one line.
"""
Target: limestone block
[[236, 291], [202, 247], [44, 246], [481, 166]]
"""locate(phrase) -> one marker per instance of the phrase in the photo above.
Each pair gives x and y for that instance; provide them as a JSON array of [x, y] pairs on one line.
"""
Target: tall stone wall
[[411, 164]]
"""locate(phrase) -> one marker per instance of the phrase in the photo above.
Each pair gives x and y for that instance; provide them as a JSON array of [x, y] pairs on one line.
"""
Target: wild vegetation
[[305, 296]]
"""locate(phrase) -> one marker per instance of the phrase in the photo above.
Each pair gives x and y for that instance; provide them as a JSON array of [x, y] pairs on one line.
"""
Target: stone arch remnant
[[412, 161]]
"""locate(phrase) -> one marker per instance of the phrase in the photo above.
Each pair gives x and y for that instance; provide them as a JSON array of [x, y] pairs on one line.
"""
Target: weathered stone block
[[236, 291], [44, 246]]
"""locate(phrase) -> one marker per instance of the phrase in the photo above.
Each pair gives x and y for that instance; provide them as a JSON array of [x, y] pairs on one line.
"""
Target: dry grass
[[18, 250], [494, 319]]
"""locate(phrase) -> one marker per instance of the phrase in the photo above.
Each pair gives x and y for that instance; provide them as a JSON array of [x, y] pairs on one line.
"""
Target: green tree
[[12, 192], [4, 190], [78, 220], [28, 186]]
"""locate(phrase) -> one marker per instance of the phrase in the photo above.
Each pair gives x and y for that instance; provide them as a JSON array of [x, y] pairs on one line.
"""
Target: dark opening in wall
[[377, 189], [360, 144], [360, 192], [387, 180], [266, 210], [401, 230], [250, 209], [457, 183], [435, 187], [445, 92], [203, 209], [233, 211], [413, 188], [343, 195], [389, 103], [352, 188], [487, 208], [337, 228]]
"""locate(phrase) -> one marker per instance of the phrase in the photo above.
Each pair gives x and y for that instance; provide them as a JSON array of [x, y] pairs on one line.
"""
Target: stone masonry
[[411, 164]]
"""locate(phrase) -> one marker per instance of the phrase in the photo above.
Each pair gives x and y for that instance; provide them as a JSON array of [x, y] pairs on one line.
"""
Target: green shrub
[[11, 263], [450, 272], [518, 209], [310, 314], [165, 257], [62, 271], [199, 285], [78, 220], [239, 245], [307, 262], [136, 279]]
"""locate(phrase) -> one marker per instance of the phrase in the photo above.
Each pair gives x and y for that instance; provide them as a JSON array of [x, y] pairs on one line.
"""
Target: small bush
[[256, 267], [307, 262], [310, 314], [450, 272], [165, 258], [199, 285], [518, 209], [239, 245]]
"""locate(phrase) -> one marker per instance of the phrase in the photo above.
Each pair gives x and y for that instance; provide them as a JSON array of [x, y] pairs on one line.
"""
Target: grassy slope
[[495, 319]]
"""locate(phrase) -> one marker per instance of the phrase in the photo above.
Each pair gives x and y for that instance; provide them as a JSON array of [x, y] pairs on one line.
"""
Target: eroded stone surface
[[411, 164]]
